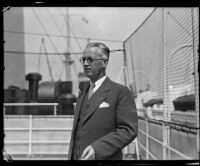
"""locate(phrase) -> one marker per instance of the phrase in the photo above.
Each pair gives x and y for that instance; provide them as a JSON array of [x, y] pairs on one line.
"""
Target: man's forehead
[[92, 50]]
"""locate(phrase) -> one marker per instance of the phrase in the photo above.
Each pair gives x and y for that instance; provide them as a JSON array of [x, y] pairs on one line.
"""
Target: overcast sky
[[88, 22]]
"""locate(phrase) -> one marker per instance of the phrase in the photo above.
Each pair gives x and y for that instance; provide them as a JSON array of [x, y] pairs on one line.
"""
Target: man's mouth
[[87, 70]]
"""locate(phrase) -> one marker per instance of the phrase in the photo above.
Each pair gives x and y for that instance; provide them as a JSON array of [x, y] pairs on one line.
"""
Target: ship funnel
[[33, 79]]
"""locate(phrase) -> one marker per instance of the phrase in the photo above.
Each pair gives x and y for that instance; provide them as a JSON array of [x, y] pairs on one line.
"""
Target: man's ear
[[105, 63]]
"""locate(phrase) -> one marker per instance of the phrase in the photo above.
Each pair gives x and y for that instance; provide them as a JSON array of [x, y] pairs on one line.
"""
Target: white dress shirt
[[98, 83]]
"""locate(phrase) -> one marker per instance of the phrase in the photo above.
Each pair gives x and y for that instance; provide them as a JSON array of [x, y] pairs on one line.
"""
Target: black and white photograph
[[100, 83]]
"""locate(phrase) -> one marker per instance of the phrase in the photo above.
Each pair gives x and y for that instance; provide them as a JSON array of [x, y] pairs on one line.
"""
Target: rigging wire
[[50, 53], [178, 23], [60, 36], [43, 27], [47, 59], [68, 21], [70, 28], [57, 26], [39, 58]]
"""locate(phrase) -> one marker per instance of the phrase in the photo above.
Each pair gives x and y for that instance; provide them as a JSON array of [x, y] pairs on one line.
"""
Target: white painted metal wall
[[37, 136]]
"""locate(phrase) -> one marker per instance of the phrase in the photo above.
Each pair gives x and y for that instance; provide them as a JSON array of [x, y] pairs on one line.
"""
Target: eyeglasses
[[89, 59]]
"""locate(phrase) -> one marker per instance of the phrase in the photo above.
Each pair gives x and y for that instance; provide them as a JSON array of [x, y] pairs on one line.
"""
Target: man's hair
[[105, 50]]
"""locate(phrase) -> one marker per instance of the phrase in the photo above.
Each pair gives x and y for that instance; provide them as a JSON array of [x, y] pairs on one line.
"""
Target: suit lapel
[[98, 97], [78, 105], [76, 116]]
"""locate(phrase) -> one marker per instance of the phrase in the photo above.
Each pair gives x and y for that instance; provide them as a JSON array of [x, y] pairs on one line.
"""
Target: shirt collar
[[99, 82]]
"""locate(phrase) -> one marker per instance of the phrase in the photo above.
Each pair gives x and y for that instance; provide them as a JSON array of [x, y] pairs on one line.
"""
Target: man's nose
[[85, 63]]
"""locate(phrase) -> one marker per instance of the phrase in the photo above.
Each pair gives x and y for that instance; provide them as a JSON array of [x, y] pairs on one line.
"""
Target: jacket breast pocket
[[105, 111]]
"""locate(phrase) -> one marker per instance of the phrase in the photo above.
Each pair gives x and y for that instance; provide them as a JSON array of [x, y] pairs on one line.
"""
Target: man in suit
[[105, 118]]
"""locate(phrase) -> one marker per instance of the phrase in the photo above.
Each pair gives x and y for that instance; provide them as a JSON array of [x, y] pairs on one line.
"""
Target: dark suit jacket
[[107, 129]]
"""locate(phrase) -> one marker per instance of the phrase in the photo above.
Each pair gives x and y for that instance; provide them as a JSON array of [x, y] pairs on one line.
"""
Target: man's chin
[[88, 74]]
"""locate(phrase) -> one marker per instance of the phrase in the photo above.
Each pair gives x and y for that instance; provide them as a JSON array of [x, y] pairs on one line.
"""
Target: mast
[[67, 54]]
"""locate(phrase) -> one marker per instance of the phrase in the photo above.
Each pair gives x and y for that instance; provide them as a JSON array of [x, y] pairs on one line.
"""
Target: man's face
[[95, 69]]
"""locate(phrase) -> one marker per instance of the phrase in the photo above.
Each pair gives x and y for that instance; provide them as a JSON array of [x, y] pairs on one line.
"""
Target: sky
[[91, 23]]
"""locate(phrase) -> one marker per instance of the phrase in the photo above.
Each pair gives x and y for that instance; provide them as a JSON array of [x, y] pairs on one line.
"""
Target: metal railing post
[[161, 143], [147, 139], [137, 148], [168, 142], [4, 110], [30, 135], [55, 110], [164, 145]]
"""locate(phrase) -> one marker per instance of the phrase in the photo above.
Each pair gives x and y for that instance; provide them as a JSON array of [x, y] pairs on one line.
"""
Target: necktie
[[90, 92]]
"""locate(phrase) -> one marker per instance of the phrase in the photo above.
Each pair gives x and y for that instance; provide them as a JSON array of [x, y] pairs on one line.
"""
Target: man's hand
[[88, 153]]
